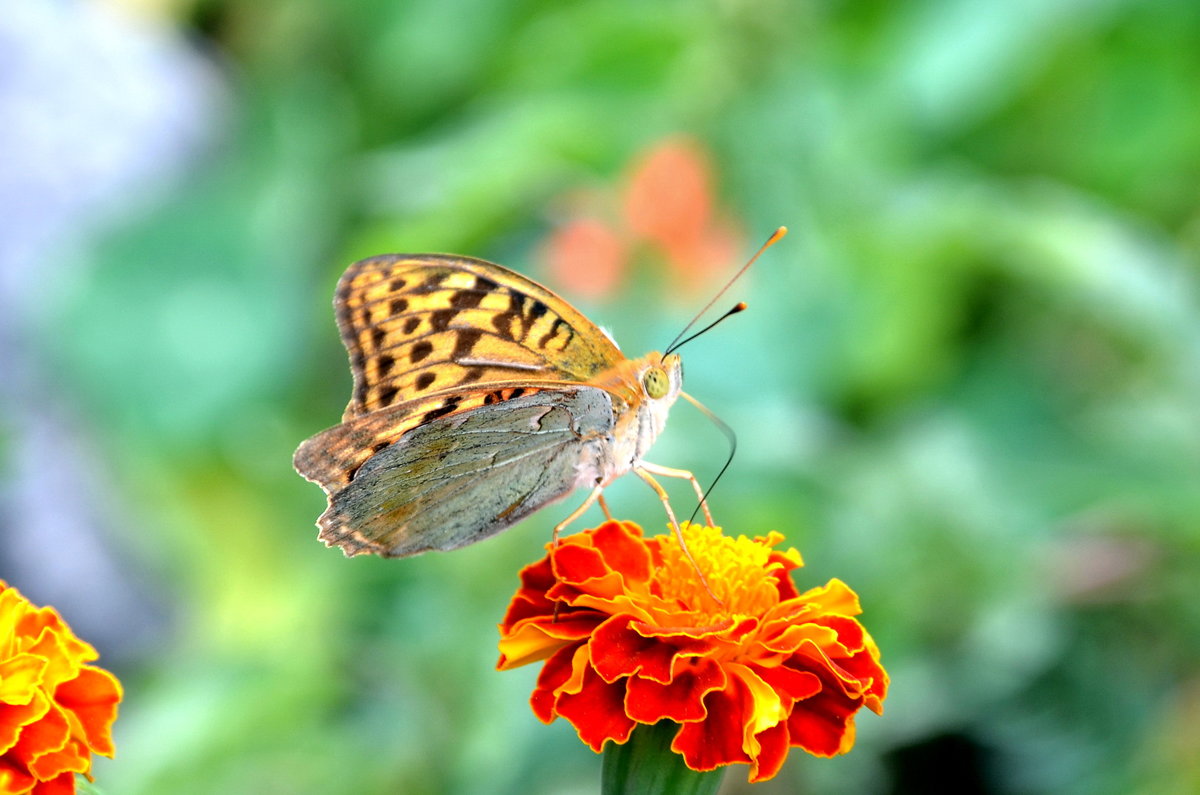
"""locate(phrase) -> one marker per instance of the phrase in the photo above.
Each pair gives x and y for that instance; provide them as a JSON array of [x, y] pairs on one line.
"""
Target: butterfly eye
[[656, 382]]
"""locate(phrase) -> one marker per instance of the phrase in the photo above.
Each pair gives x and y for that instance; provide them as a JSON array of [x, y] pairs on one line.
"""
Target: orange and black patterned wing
[[418, 324]]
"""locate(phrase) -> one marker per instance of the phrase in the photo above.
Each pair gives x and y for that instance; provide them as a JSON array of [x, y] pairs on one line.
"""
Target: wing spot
[[472, 375], [503, 324], [466, 299], [386, 396], [386, 363], [441, 318], [399, 305], [397, 285], [425, 379], [448, 407], [485, 284], [420, 350], [411, 324], [466, 341], [377, 337]]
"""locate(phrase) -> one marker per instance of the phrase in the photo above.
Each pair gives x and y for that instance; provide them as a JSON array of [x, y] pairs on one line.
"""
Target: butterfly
[[479, 398]]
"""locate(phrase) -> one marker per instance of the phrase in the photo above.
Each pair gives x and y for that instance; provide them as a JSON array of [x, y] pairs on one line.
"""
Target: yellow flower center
[[736, 570]]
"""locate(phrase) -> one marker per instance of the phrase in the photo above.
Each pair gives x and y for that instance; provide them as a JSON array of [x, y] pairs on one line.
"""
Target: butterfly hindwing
[[415, 324], [447, 481]]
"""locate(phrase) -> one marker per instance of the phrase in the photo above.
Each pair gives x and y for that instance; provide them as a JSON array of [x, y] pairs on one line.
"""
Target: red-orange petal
[[681, 699], [597, 711], [772, 753], [555, 673], [93, 697], [820, 724], [59, 785], [717, 739], [15, 778], [623, 549]]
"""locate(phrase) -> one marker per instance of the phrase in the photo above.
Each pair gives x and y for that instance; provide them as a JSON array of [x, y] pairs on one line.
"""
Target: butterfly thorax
[[642, 391]]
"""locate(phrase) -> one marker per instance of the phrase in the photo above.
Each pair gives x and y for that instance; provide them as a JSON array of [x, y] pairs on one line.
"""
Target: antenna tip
[[741, 307]]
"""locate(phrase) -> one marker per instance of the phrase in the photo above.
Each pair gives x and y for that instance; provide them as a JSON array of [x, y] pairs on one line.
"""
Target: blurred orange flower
[[637, 638], [55, 710], [667, 204]]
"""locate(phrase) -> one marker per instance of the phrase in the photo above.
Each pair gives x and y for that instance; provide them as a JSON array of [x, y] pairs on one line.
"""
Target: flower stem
[[646, 765]]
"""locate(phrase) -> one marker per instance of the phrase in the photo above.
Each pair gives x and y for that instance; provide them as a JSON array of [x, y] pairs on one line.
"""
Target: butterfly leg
[[604, 507], [642, 472], [668, 472], [575, 514]]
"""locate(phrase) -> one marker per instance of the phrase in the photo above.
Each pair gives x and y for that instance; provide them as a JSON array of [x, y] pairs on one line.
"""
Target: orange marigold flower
[[55, 710], [638, 638]]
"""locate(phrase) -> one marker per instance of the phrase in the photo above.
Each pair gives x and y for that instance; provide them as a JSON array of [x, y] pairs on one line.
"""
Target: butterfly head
[[662, 377]]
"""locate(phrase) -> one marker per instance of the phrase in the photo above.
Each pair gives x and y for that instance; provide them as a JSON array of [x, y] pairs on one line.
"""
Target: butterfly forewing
[[419, 324]]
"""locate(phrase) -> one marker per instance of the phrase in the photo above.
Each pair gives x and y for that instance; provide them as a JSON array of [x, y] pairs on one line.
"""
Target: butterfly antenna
[[772, 240], [729, 434], [739, 307]]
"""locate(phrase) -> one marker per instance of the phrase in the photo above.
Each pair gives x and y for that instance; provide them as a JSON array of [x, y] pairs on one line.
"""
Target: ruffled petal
[[681, 699], [597, 711], [717, 739]]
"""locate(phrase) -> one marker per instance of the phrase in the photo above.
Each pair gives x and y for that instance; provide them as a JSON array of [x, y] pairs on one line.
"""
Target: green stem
[[646, 765]]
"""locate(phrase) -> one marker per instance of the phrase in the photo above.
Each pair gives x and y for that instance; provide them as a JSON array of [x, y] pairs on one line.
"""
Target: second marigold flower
[[631, 635], [56, 710]]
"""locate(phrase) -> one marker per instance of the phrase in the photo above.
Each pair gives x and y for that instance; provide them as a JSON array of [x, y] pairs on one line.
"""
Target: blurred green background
[[967, 384]]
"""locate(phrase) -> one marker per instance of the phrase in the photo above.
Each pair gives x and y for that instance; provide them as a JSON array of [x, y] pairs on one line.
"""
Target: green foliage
[[967, 385]]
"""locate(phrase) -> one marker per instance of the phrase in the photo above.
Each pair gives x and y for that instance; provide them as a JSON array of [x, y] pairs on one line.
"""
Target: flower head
[[55, 710], [631, 635]]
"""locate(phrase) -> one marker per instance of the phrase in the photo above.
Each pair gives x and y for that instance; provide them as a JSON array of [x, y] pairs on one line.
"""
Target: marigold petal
[[14, 718], [531, 599], [597, 711], [61, 665], [824, 724], [15, 780], [47, 735], [772, 753], [537, 638], [555, 673], [583, 569], [93, 697], [717, 739], [681, 699], [833, 597], [792, 636], [19, 677], [624, 550], [618, 650], [830, 670], [59, 785], [795, 684], [764, 706]]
